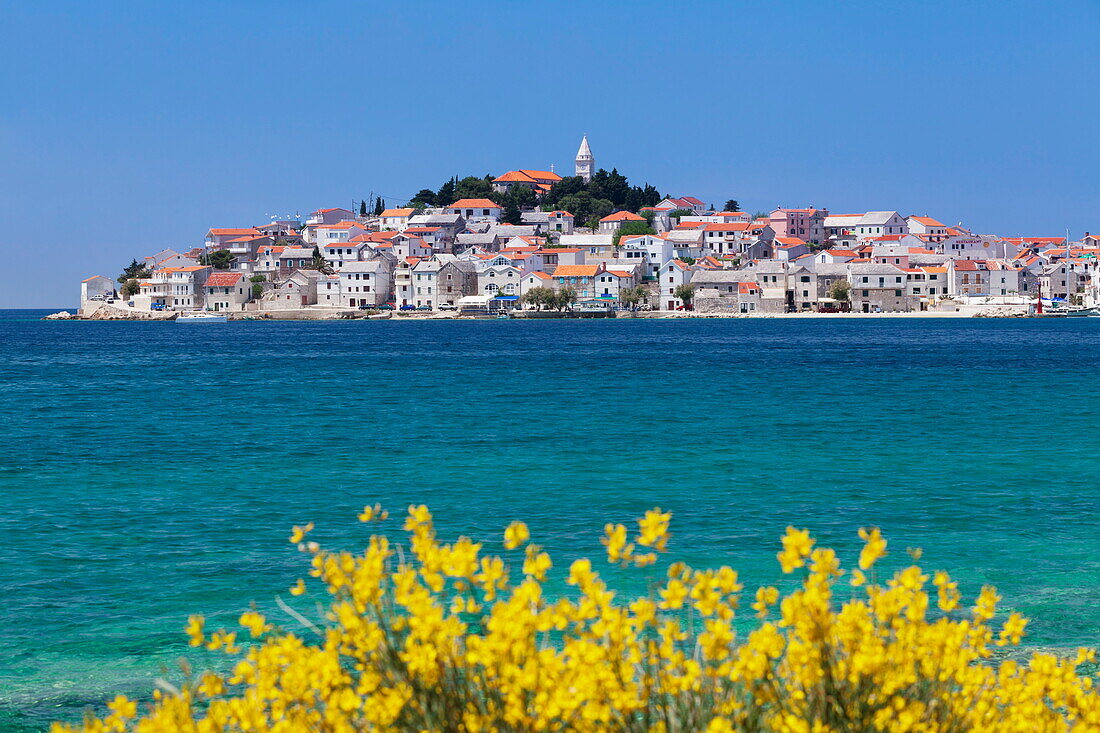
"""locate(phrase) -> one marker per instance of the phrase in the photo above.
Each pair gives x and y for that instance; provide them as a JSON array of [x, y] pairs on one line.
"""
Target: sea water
[[149, 471]]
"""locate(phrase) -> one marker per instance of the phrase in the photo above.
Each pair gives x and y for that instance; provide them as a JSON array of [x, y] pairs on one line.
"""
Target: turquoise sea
[[152, 470]]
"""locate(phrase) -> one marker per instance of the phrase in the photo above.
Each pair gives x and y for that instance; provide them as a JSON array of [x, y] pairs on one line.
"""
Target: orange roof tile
[[473, 204], [577, 270], [622, 216], [223, 279]]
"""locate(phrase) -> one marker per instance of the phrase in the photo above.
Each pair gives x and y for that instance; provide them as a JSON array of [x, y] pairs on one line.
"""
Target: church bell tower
[[585, 161]]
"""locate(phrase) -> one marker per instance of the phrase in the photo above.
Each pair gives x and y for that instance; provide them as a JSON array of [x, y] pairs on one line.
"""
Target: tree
[[257, 279], [424, 197], [134, 270], [631, 229], [677, 213], [539, 297], [568, 186], [632, 296], [219, 259], [684, 292], [688, 260], [318, 262], [565, 298], [511, 214], [761, 215], [840, 291], [732, 205], [379, 206], [130, 288], [471, 187], [363, 208], [257, 290]]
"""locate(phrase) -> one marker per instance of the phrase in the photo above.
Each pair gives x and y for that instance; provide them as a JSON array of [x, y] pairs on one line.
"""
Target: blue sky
[[127, 127]]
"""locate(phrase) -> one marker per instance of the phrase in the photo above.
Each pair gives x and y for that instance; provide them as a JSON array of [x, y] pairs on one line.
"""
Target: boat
[[201, 317]]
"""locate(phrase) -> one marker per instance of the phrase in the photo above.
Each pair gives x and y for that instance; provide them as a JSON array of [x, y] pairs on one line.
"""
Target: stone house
[[227, 291]]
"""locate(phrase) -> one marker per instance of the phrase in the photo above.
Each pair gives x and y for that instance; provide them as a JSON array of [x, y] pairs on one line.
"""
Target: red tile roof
[[473, 204], [622, 216], [577, 270], [223, 279]]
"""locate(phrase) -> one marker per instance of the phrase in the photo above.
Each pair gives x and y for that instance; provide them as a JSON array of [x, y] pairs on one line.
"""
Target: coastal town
[[534, 243]]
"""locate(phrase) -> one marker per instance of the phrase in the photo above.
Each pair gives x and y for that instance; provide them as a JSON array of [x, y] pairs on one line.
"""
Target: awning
[[506, 297]]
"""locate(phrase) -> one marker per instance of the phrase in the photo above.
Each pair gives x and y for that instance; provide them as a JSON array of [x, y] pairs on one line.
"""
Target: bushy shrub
[[441, 637]]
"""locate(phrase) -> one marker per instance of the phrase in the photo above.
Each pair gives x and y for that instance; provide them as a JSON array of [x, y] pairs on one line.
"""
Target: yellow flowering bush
[[437, 636]]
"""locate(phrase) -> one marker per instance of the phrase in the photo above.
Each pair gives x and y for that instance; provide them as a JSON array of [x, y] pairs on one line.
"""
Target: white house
[[499, 280], [684, 202], [395, 219], [647, 250], [442, 279], [476, 210], [535, 279], [612, 222], [928, 226], [365, 283], [339, 254], [96, 288], [329, 216], [218, 238], [673, 274], [338, 233], [227, 291], [864, 226]]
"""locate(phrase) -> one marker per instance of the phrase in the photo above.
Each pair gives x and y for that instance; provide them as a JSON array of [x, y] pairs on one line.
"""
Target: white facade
[[499, 280], [364, 283]]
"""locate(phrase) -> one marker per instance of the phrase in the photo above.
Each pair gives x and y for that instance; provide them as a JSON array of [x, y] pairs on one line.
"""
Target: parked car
[[448, 307], [408, 307], [366, 307], [423, 307], [386, 307], [158, 307]]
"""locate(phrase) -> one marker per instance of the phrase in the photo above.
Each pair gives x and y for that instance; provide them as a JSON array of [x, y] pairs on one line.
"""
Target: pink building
[[806, 224]]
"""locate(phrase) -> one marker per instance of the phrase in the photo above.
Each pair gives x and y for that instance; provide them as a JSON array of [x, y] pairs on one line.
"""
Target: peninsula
[[533, 242]]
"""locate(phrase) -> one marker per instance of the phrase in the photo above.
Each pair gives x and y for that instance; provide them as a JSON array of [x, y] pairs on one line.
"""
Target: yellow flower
[[874, 547], [797, 546], [428, 626], [373, 513], [254, 622], [515, 535], [653, 529], [536, 563], [211, 685], [1013, 630], [122, 707], [948, 595], [297, 534], [194, 630], [298, 588], [616, 543], [766, 597]]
